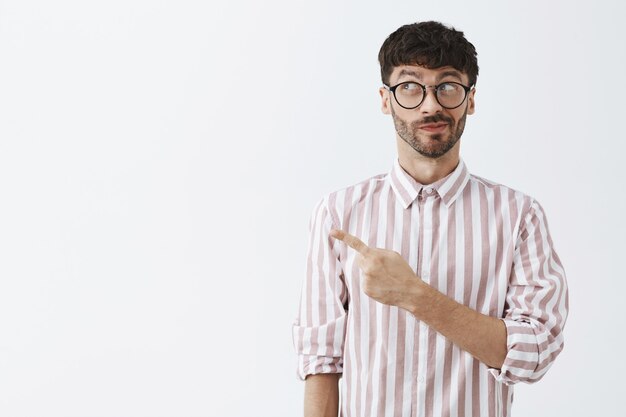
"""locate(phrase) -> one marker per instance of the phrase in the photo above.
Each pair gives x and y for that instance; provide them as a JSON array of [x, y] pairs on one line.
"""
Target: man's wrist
[[414, 296]]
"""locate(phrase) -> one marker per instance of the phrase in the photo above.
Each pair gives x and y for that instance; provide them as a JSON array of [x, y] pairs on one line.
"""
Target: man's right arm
[[319, 330], [321, 395]]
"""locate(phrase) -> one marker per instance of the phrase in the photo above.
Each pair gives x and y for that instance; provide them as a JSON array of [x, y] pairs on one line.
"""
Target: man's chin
[[436, 150], [431, 155], [437, 137]]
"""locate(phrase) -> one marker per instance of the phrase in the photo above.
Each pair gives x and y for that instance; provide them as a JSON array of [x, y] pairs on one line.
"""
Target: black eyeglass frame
[[424, 87]]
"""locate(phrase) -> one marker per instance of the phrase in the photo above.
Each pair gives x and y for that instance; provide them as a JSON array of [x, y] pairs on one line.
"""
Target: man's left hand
[[387, 277]]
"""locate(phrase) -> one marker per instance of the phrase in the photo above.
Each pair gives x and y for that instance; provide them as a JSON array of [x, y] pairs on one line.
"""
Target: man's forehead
[[420, 72]]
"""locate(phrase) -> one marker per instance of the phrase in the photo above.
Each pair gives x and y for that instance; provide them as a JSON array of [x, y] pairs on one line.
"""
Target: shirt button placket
[[424, 272]]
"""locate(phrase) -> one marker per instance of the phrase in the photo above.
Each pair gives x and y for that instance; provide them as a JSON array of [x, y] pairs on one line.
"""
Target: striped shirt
[[485, 245]]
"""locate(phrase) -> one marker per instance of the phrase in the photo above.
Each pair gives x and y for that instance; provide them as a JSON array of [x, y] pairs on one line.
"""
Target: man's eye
[[410, 89], [448, 88]]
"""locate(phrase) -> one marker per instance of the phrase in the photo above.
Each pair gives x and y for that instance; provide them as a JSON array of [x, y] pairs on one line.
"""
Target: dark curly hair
[[429, 44]]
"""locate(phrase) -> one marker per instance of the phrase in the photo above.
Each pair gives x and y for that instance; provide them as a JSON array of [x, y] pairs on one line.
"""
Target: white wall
[[159, 161]]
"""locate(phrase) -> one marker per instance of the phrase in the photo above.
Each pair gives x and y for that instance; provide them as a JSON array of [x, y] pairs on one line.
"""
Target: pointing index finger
[[352, 241]]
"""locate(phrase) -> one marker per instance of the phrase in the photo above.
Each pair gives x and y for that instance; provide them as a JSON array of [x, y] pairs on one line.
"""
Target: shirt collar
[[448, 188]]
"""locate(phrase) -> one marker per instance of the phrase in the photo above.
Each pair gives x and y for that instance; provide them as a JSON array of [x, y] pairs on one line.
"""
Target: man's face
[[430, 129]]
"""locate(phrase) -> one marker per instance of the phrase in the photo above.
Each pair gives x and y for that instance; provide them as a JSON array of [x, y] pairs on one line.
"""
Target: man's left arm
[[482, 336], [518, 347]]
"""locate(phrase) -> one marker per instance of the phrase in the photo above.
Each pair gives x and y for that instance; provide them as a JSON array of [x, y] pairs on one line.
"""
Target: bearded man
[[429, 291]]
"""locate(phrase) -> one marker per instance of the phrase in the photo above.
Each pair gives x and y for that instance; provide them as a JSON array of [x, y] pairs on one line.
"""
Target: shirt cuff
[[522, 355], [312, 365]]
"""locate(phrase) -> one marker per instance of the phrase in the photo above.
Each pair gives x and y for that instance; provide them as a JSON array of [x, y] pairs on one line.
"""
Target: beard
[[430, 145]]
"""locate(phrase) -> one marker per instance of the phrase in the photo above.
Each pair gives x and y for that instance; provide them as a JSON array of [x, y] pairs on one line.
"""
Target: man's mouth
[[434, 127]]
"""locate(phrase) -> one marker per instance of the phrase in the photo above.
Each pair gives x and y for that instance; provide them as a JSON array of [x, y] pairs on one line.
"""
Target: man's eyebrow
[[411, 73], [450, 73]]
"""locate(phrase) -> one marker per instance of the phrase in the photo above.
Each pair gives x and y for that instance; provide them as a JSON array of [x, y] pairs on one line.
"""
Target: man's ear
[[385, 105], [471, 107]]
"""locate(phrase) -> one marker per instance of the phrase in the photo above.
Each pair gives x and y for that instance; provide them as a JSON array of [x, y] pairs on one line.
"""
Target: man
[[429, 291]]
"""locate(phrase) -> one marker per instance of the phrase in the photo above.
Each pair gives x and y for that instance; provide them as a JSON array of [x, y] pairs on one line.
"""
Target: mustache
[[437, 118]]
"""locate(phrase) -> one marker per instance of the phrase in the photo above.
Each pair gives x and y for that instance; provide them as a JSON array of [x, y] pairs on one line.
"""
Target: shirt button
[[429, 190], [421, 378]]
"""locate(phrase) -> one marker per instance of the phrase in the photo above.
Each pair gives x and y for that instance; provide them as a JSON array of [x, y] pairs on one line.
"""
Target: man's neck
[[427, 170]]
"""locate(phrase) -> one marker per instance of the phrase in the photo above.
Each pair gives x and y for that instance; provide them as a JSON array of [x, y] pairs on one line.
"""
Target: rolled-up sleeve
[[536, 303], [319, 328]]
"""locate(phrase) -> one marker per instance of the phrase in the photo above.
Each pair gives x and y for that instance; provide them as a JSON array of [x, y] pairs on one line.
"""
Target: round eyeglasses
[[411, 94]]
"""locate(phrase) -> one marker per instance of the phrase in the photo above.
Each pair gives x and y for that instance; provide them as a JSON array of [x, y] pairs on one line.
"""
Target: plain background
[[159, 161]]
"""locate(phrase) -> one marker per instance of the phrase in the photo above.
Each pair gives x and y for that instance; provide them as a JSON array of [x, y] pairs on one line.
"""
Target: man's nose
[[430, 104]]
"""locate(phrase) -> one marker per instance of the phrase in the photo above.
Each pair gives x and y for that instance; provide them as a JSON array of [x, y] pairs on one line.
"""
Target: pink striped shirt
[[483, 244]]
